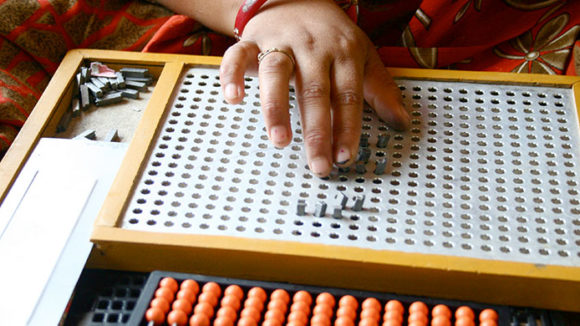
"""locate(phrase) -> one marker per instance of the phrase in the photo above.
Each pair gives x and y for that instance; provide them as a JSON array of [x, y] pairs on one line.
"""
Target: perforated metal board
[[486, 171]]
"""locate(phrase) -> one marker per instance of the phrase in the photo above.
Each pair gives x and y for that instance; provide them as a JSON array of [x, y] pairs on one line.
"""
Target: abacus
[[178, 299], [478, 200]]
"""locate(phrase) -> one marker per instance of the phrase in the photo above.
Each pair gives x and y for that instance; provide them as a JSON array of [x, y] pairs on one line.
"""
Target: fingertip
[[280, 136], [343, 156], [233, 93], [320, 166]]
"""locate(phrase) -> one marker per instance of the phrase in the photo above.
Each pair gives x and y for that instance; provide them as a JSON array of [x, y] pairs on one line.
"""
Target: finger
[[238, 59], [382, 93], [313, 95], [347, 105], [275, 71]]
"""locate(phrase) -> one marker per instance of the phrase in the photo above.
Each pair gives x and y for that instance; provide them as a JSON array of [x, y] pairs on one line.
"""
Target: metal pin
[[85, 98], [136, 85], [109, 98], [364, 153], [135, 72], [88, 134], [112, 136], [76, 107], [97, 92], [343, 200], [337, 212], [146, 80], [95, 81], [320, 209], [120, 80], [130, 93], [383, 140], [360, 168], [380, 166], [85, 74], [301, 207], [364, 140], [358, 203]]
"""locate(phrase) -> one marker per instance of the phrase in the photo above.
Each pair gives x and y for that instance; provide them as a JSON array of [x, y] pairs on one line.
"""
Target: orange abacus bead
[[231, 301], [320, 320], [271, 322], [417, 323], [183, 305], [281, 295], [486, 314], [464, 321], [165, 293], [228, 312], [368, 322], [370, 313], [187, 294], [155, 315], [298, 316], [223, 321], [251, 312], [440, 320], [302, 296], [392, 322], [177, 318], [348, 301], [464, 311], [393, 315], [295, 323], [278, 304], [160, 303], [418, 317], [394, 305], [254, 302], [371, 303], [208, 297], [488, 322], [323, 310], [190, 285], [170, 283], [244, 321], [258, 292], [212, 287], [199, 320], [441, 310], [344, 321], [418, 306], [346, 311], [301, 306], [327, 298], [204, 308], [235, 291], [275, 314]]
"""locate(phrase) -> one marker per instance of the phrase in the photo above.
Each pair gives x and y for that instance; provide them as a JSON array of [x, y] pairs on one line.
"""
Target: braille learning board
[[477, 200]]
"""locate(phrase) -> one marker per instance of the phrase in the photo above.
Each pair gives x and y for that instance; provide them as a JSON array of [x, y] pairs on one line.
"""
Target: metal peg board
[[485, 171]]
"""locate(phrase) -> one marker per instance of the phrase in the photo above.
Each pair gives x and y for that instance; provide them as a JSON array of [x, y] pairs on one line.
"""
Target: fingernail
[[319, 165], [343, 156], [404, 116], [278, 135], [231, 92]]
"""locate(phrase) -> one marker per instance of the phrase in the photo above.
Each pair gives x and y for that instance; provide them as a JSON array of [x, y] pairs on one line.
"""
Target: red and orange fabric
[[523, 36]]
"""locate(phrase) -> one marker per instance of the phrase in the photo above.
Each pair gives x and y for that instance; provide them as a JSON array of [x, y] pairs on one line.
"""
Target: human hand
[[336, 69]]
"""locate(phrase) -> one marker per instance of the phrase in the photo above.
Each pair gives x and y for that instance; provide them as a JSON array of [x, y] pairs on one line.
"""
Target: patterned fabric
[[523, 36]]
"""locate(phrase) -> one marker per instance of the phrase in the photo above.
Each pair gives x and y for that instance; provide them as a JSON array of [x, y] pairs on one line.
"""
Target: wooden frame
[[499, 282]]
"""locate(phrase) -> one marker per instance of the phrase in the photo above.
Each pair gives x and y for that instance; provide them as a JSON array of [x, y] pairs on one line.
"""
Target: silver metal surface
[[485, 171]]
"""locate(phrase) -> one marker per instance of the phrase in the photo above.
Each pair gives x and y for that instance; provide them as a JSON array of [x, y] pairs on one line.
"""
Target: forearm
[[219, 15]]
